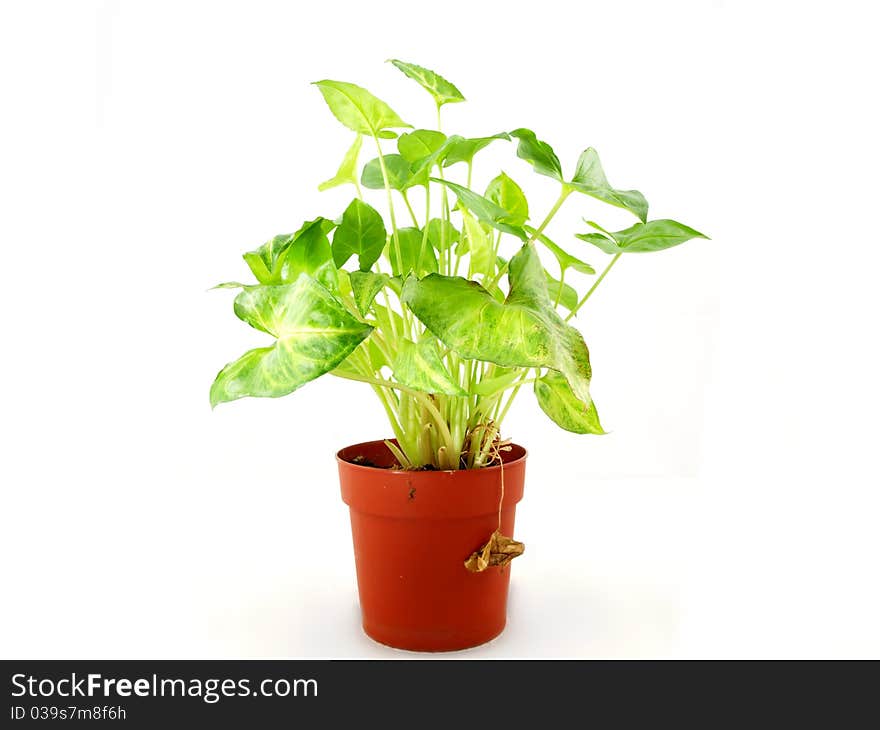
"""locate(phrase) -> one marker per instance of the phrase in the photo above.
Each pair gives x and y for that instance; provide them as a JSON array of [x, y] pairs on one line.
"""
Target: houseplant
[[444, 308]]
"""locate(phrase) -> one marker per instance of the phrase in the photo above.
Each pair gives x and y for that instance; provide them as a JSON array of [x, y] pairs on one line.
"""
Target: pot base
[[393, 639]]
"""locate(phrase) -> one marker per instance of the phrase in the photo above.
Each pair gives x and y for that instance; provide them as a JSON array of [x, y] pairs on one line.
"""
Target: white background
[[732, 511]]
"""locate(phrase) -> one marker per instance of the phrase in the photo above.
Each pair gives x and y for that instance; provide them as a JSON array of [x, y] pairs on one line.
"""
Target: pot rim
[[485, 469]]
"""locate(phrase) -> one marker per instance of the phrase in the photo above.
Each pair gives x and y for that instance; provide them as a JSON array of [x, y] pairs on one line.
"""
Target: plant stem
[[394, 235], [391, 314], [566, 191], [561, 287], [445, 210], [409, 208], [593, 288], [507, 405], [378, 382], [425, 230]]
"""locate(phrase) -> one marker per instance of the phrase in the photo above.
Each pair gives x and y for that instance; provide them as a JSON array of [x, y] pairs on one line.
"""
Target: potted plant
[[443, 307]]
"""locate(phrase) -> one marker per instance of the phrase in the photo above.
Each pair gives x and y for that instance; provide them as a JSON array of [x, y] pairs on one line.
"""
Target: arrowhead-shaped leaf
[[418, 366], [524, 331], [358, 109], [506, 194], [265, 262], [309, 253], [485, 210], [642, 237], [416, 254], [400, 176], [361, 232], [347, 172], [463, 149], [478, 243], [365, 285], [589, 178], [455, 149], [442, 234], [313, 332], [559, 402], [283, 258], [442, 90], [568, 297], [417, 145], [539, 154]]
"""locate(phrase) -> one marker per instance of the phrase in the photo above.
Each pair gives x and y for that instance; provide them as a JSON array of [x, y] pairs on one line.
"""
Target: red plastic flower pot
[[413, 532]]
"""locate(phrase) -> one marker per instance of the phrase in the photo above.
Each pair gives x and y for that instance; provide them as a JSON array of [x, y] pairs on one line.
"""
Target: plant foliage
[[434, 294]]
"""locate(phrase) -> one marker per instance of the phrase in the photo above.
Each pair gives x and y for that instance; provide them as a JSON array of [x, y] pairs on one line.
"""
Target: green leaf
[[258, 266], [559, 402], [421, 143], [524, 331], [502, 380], [269, 262], [418, 366], [442, 90], [358, 109], [361, 232], [347, 172], [414, 256], [365, 285], [385, 318], [442, 234], [539, 154], [643, 237], [563, 258], [589, 178], [506, 194], [461, 149], [313, 332], [568, 298], [487, 211], [309, 253], [455, 149], [398, 173], [400, 177], [229, 285], [600, 241], [655, 236], [265, 262], [479, 243]]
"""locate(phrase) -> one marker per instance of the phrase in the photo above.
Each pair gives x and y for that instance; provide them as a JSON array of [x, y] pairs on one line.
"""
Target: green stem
[[444, 248], [394, 235], [409, 208], [566, 191], [390, 314], [379, 382], [509, 403], [425, 231], [561, 287], [593, 288]]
